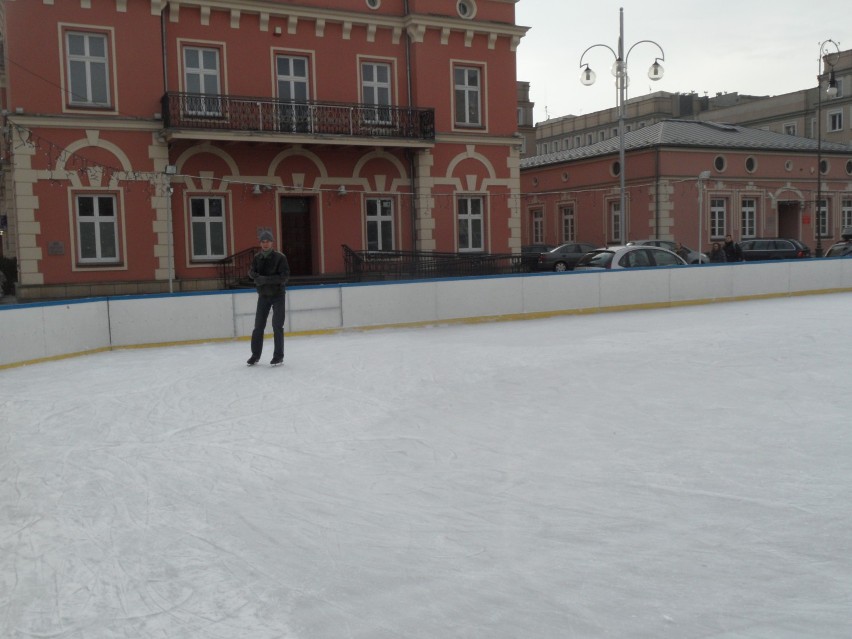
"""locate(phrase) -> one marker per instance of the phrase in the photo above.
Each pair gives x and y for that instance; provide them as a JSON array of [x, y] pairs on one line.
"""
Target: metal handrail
[[263, 114], [234, 269], [383, 265]]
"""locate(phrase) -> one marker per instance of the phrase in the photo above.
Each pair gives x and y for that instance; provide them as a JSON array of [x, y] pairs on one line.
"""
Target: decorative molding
[[415, 25], [416, 32]]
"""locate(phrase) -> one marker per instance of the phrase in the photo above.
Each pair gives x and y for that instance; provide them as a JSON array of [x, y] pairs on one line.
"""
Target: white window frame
[[835, 120], [203, 78], [538, 226], [376, 90], [616, 233], [471, 223], [294, 87], [211, 223], [748, 217], [718, 217], [101, 227], [791, 128], [569, 232], [846, 213], [822, 222], [379, 222], [467, 83], [91, 70]]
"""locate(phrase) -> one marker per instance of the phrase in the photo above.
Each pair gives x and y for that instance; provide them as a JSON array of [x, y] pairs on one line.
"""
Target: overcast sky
[[755, 48]]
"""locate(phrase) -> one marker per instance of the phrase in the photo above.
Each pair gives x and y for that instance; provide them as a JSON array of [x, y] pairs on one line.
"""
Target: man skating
[[270, 271]]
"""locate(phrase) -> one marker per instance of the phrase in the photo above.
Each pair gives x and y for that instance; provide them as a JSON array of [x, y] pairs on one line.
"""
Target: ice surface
[[676, 473]]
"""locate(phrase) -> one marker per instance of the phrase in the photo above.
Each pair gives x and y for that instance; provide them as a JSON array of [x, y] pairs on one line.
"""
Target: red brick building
[[757, 184], [145, 140]]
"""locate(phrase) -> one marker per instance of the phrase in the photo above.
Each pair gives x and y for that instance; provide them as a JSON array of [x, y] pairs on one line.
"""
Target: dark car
[[778, 248], [844, 248], [564, 257], [530, 253]]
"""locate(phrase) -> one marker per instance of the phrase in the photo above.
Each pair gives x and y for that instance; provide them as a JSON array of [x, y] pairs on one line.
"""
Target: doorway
[[788, 219], [296, 234]]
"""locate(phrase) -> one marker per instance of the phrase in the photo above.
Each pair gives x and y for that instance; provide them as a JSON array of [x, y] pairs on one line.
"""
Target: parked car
[[778, 248], [844, 248], [693, 257], [530, 253], [563, 257], [630, 256]]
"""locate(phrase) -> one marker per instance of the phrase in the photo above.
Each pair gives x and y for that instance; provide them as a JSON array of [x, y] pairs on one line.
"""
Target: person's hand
[[260, 279]]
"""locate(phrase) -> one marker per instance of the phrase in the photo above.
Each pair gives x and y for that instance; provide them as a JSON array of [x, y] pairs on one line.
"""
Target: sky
[[680, 473], [753, 48]]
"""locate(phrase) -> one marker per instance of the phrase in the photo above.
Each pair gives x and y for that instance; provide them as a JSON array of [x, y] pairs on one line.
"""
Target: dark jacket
[[270, 273], [718, 255], [733, 252]]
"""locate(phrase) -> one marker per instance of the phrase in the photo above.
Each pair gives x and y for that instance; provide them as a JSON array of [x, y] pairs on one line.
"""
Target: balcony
[[199, 116]]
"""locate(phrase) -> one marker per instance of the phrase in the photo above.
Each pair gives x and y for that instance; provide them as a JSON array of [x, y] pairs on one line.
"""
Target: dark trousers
[[264, 305]]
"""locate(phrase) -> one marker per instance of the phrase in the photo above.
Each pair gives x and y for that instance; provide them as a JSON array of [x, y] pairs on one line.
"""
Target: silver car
[[844, 248], [630, 256], [693, 257]]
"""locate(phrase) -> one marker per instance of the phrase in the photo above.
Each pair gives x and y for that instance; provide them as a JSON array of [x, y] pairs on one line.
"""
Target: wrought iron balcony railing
[[239, 113]]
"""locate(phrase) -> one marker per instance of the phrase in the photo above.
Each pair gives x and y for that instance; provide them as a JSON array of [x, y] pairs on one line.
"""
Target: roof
[[691, 133]]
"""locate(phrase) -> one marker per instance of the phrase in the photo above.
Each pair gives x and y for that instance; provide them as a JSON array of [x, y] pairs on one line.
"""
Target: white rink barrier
[[35, 332]]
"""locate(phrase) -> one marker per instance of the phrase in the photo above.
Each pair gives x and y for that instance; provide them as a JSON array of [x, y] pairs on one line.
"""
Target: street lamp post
[[831, 91], [619, 70]]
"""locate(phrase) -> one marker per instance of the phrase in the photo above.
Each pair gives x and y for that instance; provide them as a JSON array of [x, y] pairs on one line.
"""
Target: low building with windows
[[146, 141], [692, 182]]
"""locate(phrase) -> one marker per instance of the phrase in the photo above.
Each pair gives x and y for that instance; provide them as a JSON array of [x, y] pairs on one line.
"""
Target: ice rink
[[678, 473]]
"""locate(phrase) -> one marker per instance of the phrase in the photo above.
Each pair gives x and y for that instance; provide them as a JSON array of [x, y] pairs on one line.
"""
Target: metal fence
[[390, 265]]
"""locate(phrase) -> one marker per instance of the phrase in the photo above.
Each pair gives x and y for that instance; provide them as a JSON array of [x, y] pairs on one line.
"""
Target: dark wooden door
[[788, 219], [296, 234]]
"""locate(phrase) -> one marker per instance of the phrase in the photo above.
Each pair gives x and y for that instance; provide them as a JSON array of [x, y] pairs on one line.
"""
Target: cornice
[[77, 123], [415, 25]]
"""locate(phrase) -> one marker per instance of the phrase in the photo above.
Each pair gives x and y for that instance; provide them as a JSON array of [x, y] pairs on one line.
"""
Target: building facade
[[146, 140], [793, 113], [756, 184]]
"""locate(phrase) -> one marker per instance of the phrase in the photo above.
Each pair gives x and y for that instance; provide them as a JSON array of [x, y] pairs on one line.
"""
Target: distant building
[[526, 120], [791, 113], [761, 183]]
